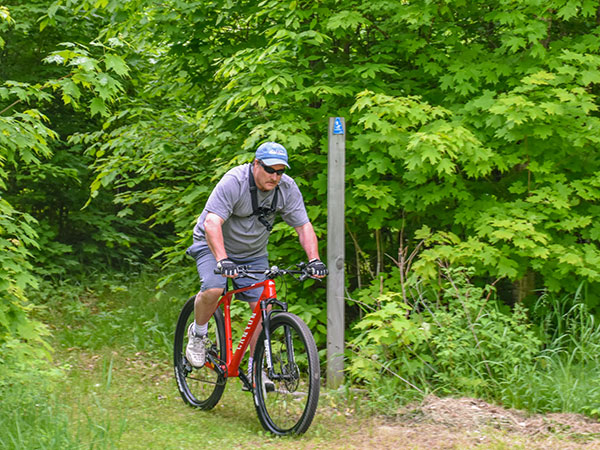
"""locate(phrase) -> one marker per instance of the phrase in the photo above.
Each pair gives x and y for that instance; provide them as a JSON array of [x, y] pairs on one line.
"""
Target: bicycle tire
[[289, 407], [199, 387]]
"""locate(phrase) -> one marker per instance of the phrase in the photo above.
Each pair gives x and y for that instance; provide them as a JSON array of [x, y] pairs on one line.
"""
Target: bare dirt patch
[[449, 423], [471, 413]]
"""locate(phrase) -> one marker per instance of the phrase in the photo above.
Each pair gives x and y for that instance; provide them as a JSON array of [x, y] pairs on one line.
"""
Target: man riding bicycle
[[234, 229]]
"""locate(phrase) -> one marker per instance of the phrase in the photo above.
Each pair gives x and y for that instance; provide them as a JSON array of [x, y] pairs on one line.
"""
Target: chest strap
[[261, 212]]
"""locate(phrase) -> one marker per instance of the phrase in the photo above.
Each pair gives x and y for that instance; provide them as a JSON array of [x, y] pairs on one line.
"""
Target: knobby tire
[[290, 407]]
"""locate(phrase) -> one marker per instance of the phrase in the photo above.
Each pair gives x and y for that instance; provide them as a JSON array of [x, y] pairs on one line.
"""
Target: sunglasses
[[270, 170]]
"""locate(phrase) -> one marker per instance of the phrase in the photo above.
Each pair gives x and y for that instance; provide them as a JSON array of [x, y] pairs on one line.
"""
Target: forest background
[[472, 173]]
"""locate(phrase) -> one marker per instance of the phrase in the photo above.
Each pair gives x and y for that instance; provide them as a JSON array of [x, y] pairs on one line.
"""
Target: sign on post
[[335, 251]]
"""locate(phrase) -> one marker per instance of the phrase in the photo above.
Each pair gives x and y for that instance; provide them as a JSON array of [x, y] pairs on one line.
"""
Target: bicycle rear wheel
[[290, 407], [199, 387]]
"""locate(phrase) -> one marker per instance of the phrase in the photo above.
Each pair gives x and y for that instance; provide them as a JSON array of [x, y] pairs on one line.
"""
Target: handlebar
[[299, 274]]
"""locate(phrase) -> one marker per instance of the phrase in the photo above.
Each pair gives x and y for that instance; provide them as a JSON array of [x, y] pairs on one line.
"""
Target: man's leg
[[205, 305]]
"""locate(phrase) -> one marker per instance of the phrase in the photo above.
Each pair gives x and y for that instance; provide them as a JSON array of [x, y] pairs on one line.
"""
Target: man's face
[[264, 180]]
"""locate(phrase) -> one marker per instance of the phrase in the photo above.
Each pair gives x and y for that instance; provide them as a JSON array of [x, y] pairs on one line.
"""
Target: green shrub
[[23, 346], [475, 344], [385, 339], [463, 343]]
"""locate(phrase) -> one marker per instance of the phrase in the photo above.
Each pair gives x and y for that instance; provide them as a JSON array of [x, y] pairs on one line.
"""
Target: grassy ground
[[113, 343], [137, 402], [130, 401]]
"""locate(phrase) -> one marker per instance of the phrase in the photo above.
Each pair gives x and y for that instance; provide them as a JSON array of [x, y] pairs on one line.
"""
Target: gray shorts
[[206, 264]]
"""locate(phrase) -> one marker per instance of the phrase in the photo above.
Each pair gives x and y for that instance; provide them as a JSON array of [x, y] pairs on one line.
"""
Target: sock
[[200, 330]]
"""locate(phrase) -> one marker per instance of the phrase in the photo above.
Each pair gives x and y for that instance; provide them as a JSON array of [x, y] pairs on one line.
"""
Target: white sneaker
[[195, 351]]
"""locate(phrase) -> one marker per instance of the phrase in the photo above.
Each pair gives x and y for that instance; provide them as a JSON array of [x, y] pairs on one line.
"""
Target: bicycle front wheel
[[199, 387], [289, 407]]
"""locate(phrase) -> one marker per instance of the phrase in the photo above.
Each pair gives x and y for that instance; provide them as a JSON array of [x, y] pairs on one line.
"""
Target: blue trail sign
[[338, 128]]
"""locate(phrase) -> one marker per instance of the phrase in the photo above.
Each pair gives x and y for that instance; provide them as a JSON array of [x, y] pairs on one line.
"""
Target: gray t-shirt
[[244, 236]]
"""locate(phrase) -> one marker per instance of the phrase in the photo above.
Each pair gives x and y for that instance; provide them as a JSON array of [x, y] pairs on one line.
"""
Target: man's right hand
[[227, 268]]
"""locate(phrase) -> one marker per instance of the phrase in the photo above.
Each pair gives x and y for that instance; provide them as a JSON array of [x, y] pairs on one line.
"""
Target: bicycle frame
[[268, 296]]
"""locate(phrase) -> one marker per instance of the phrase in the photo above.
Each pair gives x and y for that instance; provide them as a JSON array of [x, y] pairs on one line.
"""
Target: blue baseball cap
[[272, 153]]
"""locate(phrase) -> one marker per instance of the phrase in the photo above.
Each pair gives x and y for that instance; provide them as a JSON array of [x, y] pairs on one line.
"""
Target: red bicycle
[[285, 351]]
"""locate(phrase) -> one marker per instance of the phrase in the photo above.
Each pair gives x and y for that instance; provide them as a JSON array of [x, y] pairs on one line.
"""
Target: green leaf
[[116, 64], [568, 11], [97, 106], [346, 19], [590, 76]]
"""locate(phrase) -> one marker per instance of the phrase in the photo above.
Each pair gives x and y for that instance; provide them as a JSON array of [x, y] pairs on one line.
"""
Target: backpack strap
[[260, 211]]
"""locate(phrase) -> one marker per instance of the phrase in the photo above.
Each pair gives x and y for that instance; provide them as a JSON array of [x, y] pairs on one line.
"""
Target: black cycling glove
[[227, 268], [317, 268]]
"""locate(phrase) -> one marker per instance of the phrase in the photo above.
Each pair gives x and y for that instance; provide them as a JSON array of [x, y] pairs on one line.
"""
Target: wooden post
[[335, 251]]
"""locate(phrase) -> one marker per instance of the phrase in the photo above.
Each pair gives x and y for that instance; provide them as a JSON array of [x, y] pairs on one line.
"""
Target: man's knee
[[208, 297]]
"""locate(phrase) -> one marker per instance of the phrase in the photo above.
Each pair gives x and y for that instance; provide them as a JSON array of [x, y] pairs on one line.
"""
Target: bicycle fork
[[266, 317]]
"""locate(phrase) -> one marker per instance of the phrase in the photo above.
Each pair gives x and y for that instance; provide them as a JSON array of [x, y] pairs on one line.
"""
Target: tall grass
[[33, 421], [566, 376]]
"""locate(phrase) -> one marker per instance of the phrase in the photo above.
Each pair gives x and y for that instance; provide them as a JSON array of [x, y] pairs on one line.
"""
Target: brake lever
[[306, 275], [243, 274]]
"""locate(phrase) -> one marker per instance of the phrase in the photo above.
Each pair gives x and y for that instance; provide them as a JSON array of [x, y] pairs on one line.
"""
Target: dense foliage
[[473, 138], [476, 125]]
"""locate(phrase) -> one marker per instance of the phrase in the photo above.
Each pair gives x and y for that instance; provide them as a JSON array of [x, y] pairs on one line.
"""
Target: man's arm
[[308, 240], [213, 228]]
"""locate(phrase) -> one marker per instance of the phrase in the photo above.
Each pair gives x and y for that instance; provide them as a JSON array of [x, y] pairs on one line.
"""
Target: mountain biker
[[233, 229]]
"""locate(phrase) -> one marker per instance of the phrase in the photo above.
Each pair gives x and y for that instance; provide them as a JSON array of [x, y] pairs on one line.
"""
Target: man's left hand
[[317, 268]]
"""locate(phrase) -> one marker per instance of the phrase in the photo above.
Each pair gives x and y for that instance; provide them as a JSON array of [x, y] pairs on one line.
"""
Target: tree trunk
[[524, 287]]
